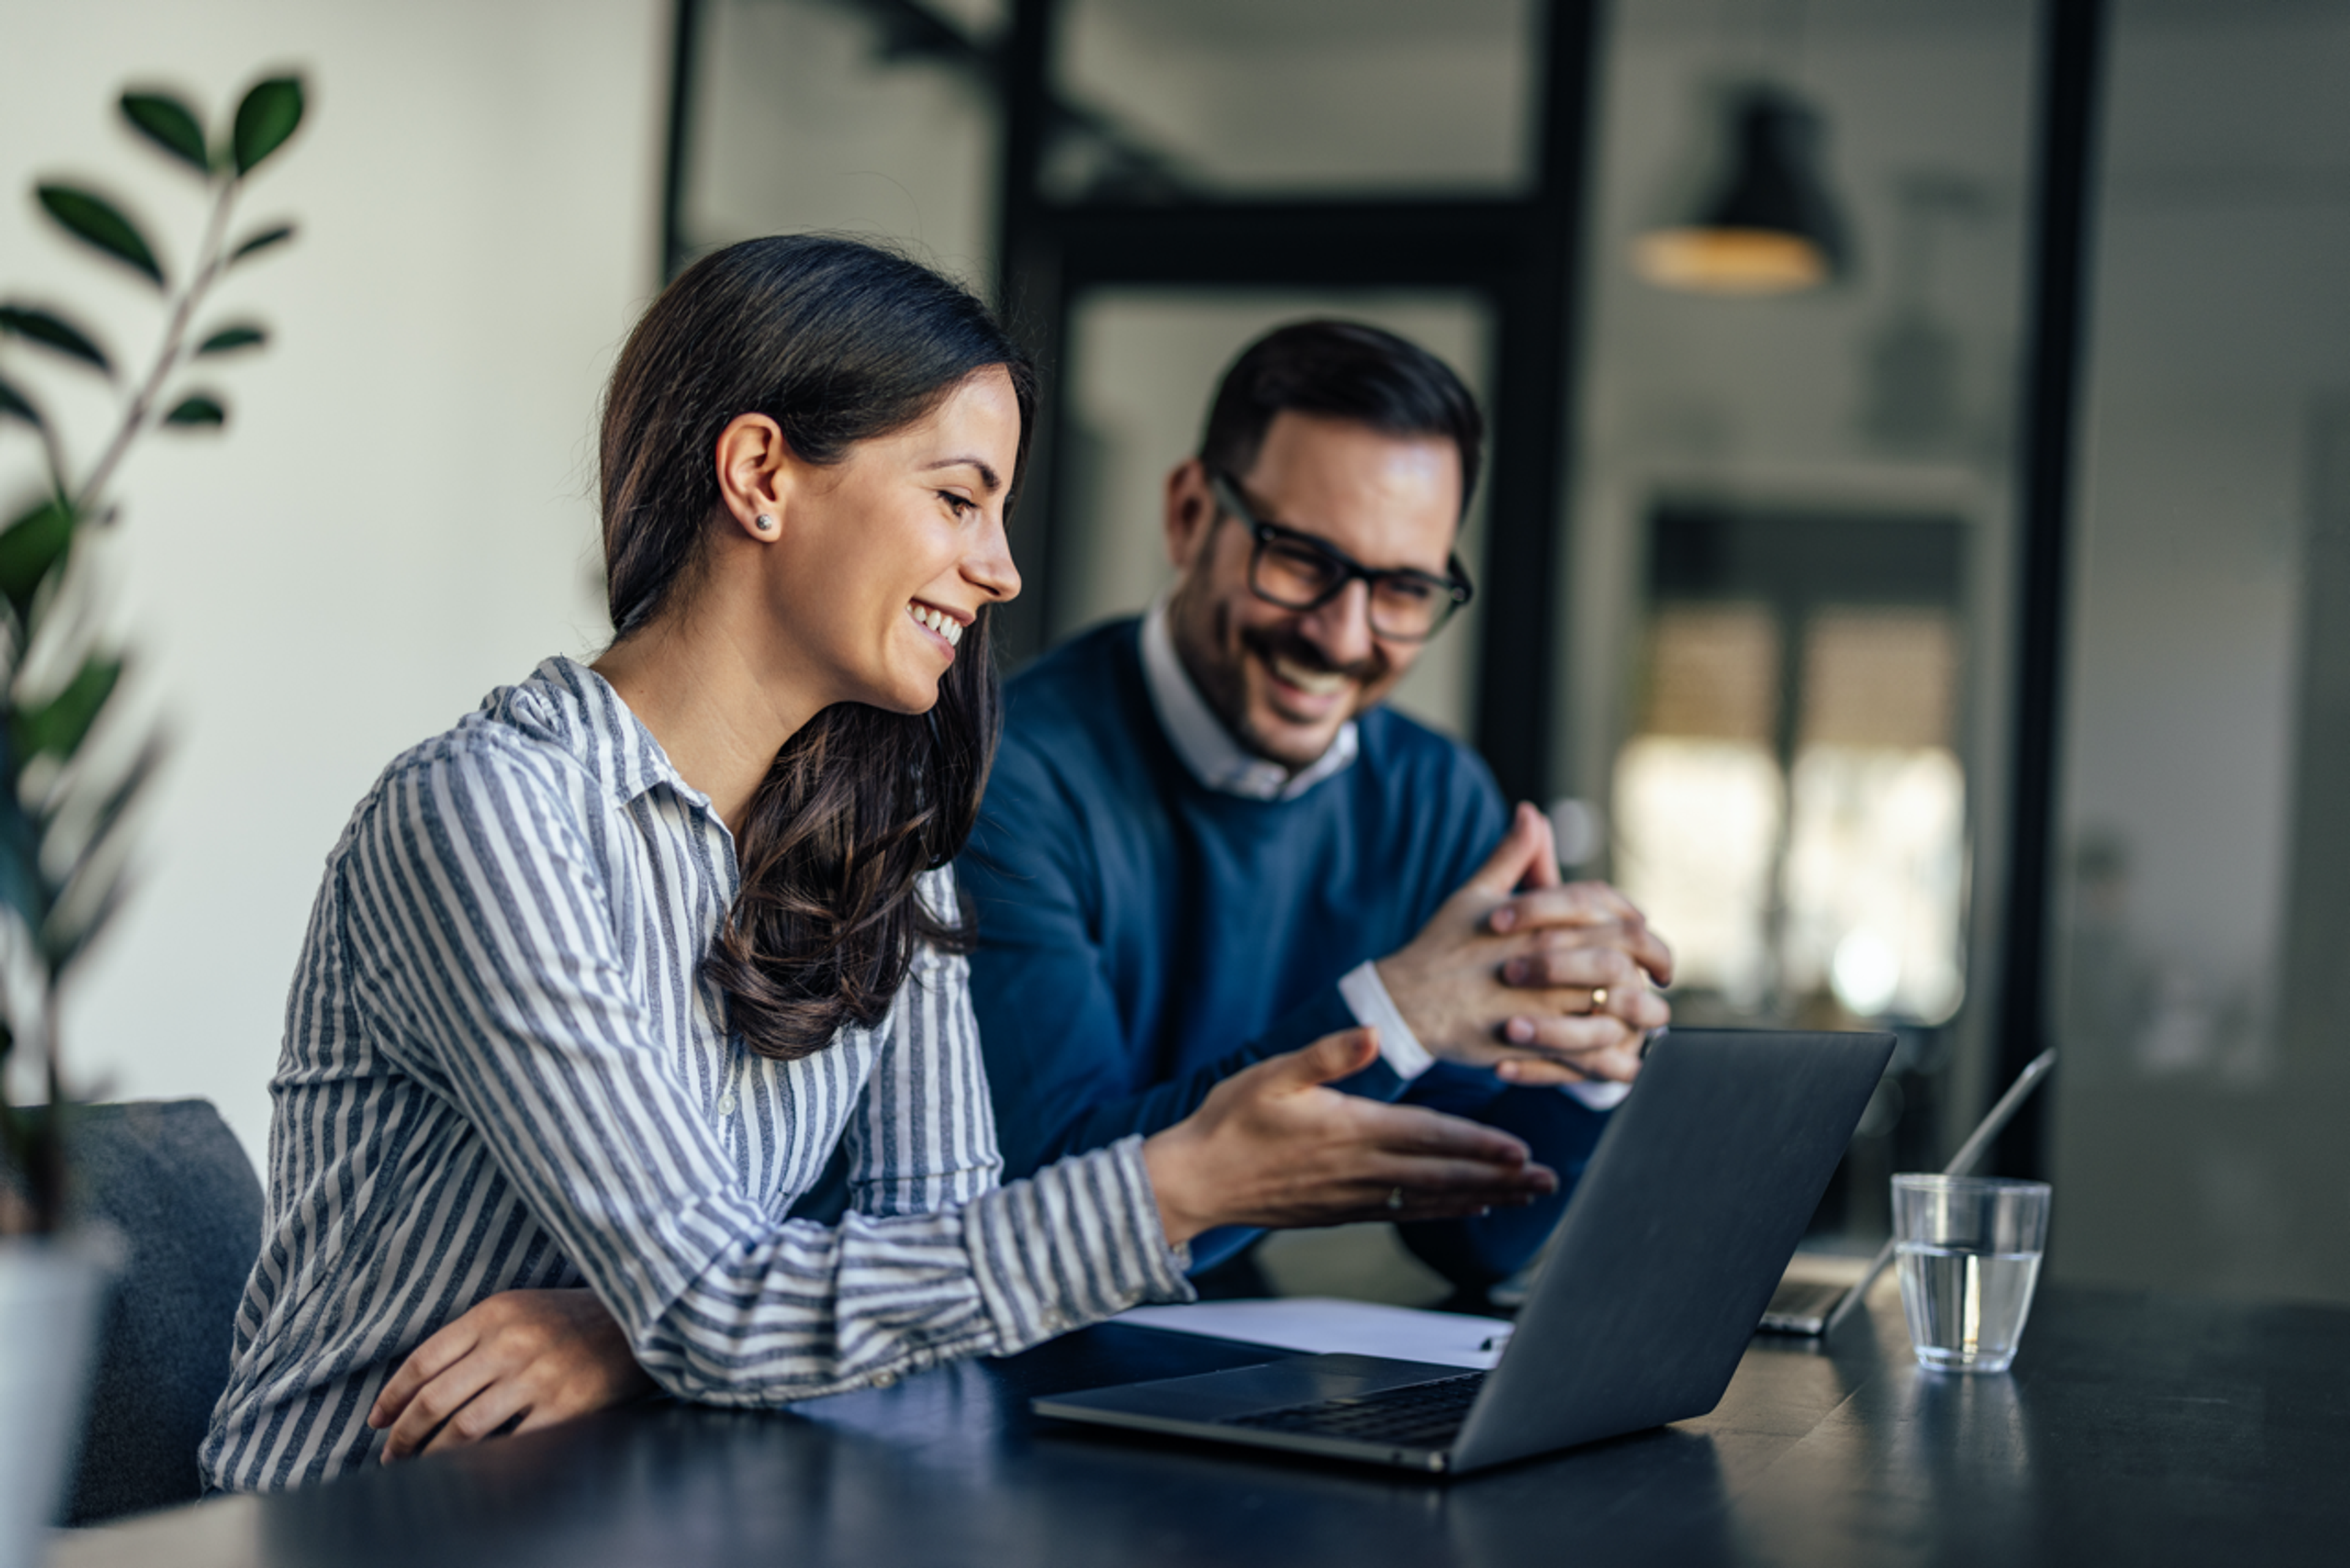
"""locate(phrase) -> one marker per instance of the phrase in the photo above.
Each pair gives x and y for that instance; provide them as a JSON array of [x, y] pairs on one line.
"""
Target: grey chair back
[[171, 1178]]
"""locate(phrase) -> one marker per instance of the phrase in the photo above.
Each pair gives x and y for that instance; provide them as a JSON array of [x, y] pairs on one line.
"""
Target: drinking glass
[[1969, 1248]]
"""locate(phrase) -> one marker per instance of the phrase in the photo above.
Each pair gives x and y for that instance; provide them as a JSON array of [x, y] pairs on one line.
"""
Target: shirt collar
[[1201, 739], [578, 710]]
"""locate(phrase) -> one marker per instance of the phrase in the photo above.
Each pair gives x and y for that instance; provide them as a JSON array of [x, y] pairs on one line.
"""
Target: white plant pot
[[52, 1295]]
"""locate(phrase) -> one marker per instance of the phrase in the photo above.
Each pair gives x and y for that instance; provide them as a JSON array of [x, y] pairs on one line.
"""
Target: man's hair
[[1340, 370]]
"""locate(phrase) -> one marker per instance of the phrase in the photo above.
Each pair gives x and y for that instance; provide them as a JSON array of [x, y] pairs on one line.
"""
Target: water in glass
[[1966, 1309]]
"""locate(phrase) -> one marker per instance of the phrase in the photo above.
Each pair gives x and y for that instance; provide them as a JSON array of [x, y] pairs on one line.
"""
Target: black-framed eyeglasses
[[1300, 572]]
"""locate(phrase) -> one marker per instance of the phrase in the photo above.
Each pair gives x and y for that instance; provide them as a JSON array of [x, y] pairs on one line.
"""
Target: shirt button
[[726, 1104], [885, 1379]]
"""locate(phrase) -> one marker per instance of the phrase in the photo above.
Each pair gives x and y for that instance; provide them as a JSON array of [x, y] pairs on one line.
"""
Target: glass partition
[[1305, 96], [2204, 888], [877, 119]]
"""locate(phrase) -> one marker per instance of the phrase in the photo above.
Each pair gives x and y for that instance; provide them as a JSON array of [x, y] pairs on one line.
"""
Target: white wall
[[400, 515]]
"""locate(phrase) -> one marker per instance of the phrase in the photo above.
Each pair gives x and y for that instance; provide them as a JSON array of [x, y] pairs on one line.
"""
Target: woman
[[599, 981]]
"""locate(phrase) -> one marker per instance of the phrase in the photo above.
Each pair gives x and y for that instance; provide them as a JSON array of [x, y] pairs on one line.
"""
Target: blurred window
[[1876, 872], [1701, 800], [1790, 805]]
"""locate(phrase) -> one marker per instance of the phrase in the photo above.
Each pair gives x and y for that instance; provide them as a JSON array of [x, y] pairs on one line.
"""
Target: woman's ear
[[755, 474]]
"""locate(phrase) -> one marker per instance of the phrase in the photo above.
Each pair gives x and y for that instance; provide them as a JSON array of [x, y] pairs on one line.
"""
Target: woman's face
[[885, 558]]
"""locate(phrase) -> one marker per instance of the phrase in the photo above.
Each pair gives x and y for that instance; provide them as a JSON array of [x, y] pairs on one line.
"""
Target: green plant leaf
[[30, 547], [21, 887], [58, 726], [63, 944], [169, 125], [22, 883], [14, 404], [98, 221], [229, 339], [261, 242], [109, 817], [263, 120], [68, 930], [197, 409], [52, 331]]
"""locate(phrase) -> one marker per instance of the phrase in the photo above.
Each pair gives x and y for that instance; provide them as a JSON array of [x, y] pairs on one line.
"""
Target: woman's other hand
[[1274, 1146], [524, 1359]]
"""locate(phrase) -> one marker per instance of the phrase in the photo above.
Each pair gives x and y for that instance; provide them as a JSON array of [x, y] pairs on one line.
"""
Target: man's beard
[[1223, 650], [1268, 644]]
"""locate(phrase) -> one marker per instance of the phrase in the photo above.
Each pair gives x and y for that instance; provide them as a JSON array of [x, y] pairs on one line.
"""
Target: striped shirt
[[502, 1069]]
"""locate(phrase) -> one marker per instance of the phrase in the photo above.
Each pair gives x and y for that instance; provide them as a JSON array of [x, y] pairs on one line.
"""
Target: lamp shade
[[1772, 227]]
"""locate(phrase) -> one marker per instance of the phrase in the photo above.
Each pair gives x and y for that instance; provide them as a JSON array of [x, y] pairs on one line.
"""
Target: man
[[1205, 842]]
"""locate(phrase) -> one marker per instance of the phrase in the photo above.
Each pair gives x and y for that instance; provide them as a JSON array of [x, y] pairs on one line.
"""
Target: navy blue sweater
[[1143, 936]]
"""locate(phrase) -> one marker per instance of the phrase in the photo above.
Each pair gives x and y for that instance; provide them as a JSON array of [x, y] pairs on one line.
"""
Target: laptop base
[[1800, 1307], [1219, 1405]]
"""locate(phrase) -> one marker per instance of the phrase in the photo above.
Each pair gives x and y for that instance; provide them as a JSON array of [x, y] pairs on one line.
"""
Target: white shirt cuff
[[1599, 1094], [1367, 997]]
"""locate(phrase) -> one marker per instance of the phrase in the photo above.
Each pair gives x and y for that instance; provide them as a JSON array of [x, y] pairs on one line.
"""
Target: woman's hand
[[527, 1357], [1271, 1145]]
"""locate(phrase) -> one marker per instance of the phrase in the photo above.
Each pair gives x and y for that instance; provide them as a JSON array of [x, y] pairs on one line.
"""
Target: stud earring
[[766, 524]]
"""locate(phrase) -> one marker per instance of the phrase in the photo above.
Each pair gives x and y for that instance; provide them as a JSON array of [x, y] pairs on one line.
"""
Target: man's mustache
[[1269, 643]]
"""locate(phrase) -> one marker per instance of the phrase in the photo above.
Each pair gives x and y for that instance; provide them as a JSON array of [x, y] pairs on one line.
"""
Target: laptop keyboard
[[1419, 1415]]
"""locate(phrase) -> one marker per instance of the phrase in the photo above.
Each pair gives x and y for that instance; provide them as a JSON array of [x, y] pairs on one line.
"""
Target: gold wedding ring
[[1395, 1198], [1598, 998]]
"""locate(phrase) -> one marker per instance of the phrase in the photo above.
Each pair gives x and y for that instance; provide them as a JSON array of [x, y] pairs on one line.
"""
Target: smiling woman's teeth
[[1318, 682], [945, 625]]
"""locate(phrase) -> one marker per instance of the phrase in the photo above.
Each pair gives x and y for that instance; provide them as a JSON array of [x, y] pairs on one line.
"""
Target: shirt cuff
[[1077, 1242], [1599, 1094], [1366, 996]]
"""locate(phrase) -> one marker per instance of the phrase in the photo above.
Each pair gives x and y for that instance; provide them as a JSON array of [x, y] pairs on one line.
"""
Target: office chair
[[171, 1178]]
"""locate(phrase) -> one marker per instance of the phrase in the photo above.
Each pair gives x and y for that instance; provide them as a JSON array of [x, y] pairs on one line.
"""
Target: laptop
[[1661, 1267]]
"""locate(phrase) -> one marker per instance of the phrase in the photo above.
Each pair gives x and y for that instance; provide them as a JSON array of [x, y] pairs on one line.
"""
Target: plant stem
[[141, 407], [56, 456]]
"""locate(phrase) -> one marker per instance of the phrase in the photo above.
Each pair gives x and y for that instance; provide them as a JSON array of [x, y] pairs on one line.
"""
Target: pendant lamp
[[1770, 228]]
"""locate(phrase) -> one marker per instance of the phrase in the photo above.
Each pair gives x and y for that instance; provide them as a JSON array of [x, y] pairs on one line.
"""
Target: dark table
[[2134, 1430]]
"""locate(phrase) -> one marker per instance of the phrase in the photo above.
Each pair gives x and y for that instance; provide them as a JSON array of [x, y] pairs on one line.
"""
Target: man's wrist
[[1366, 995]]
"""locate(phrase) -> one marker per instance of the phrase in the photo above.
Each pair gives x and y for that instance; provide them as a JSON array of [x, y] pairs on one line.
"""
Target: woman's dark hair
[[837, 342], [1342, 370]]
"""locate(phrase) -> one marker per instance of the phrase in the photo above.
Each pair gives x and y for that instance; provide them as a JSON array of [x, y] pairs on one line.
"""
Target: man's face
[[1285, 682]]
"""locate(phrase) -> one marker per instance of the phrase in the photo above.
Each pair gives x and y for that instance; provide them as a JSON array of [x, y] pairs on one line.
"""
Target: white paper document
[[1322, 1324]]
